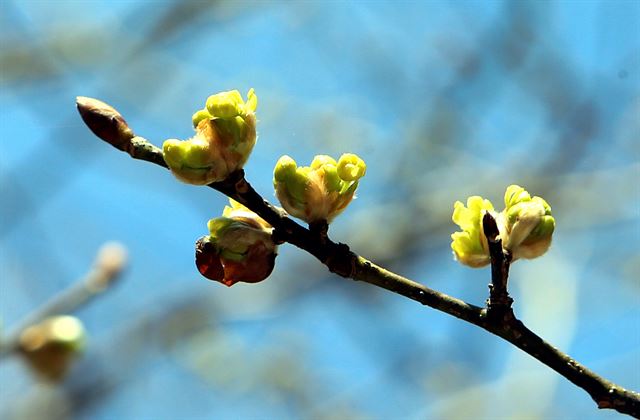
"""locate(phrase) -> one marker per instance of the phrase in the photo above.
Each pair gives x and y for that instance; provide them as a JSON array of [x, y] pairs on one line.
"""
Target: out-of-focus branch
[[110, 261], [342, 261]]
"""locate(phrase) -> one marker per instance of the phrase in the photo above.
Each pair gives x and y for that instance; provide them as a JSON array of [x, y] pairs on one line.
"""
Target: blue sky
[[442, 100]]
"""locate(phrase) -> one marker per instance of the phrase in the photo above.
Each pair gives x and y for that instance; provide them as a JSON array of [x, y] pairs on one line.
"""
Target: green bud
[[526, 227], [225, 137], [218, 225], [544, 229], [321, 160], [296, 179], [225, 104], [200, 115], [528, 224], [285, 168], [515, 194], [252, 102], [351, 167], [193, 161], [50, 346], [332, 180], [320, 191]]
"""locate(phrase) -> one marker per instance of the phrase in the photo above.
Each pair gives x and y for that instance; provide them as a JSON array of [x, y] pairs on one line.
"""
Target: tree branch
[[109, 263], [499, 302], [497, 318]]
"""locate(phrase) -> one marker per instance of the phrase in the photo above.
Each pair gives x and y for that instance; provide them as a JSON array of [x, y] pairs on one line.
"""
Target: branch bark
[[497, 318], [499, 302]]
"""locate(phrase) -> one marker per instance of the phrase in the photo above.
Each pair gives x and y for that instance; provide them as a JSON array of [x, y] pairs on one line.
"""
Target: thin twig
[[110, 261], [342, 261]]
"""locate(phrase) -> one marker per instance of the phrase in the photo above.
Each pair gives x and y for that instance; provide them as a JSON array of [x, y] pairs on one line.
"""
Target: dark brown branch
[[342, 261], [499, 302]]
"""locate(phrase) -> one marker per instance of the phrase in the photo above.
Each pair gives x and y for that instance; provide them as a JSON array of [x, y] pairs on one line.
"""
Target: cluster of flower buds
[[50, 346], [239, 248], [225, 136], [318, 192], [525, 225]]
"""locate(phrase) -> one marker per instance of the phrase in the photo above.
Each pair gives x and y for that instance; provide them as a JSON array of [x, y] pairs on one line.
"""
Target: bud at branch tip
[[105, 122]]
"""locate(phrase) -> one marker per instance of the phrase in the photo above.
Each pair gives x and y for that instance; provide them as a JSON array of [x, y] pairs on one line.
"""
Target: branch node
[[341, 260], [499, 302], [241, 185], [320, 230], [278, 236]]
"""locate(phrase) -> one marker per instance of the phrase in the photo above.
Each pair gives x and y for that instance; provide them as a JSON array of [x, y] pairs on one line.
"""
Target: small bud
[[525, 225], [225, 104], [225, 136], [239, 248], [50, 346], [528, 224], [351, 167], [111, 258], [203, 114], [110, 261], [470, 246], [105, 122], [320, 191]]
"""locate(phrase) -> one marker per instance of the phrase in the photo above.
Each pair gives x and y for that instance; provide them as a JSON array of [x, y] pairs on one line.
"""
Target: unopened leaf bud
[[105, 122]]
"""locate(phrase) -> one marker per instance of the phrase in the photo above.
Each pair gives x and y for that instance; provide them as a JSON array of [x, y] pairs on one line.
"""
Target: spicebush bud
[[239, 248], [105, 122], [470, 246], [525, 225], [50, 346], [528, 223], [225, 136], [320, 191]]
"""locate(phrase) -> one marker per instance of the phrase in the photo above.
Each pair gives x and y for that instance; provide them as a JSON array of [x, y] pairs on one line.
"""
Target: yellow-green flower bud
[[320, 191], [525, 225], [528, 224], [200, 115], [224, 104], [225, 136], [470, 246], [50, 346], [514, 195], [239, 248], [351, 167]]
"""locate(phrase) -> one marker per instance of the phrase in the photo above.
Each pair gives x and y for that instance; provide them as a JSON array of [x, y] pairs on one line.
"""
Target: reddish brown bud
[[208, 260], [255, 266], [105, 122]]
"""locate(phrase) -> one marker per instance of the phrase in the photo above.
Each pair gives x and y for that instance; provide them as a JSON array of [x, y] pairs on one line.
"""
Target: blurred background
[[442, 99]]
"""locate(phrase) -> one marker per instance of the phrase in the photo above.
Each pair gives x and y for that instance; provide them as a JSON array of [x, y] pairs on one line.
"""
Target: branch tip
[[490, 227], [105, 122]]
